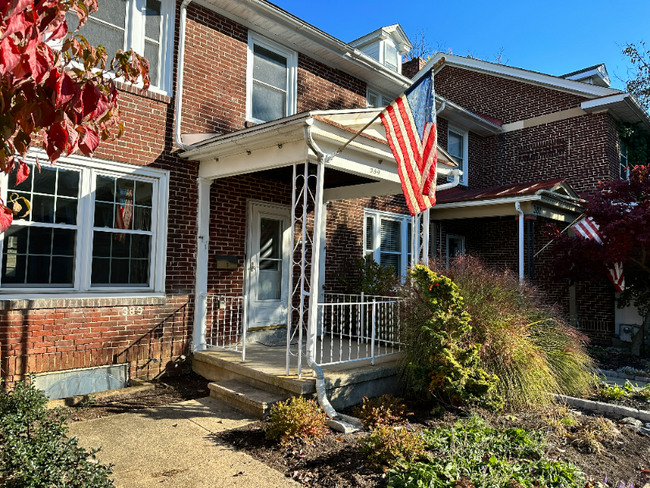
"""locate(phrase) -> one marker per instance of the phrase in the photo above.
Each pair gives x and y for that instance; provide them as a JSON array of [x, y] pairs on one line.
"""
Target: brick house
[[557, 139], [210, 212]]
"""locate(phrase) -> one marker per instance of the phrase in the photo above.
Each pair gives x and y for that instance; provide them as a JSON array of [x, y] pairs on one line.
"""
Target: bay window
[[92, 226]]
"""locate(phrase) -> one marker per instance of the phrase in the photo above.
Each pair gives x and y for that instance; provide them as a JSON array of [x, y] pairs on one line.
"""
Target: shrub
[[471, 454], [296, 419], [383, 410], [369, 277], [438, 357], [527, 344], [613, 392], [35, 448], [392, 447]]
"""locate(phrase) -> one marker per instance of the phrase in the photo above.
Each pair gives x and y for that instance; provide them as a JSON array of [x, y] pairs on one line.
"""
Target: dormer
[[594, 75], [387, 45]]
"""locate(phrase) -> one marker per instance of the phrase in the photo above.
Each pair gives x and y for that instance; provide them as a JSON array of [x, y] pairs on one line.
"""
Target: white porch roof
[[365, 168]]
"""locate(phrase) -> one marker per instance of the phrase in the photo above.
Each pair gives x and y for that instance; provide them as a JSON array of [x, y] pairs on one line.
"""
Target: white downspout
[[521, 242], [180, 63], [456, 174]]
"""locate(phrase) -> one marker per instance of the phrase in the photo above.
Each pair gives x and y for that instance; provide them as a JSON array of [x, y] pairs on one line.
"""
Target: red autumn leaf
[[57, 136], [17, 6], [22, 173], [6, 217], [9, 55], [65, 89], [89, 97], [39, 66], [102, 107], [89, 142], [18, 23], [59, 29]]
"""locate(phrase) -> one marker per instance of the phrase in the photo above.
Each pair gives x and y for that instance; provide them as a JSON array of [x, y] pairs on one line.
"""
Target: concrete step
[[242, 396]]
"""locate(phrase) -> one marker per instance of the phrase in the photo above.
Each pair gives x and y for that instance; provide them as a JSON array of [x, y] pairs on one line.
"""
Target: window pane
[[102, 244], [63, 242], [62, 270], [66, 211], [25, 185], [104, 215], [42, 209], [27, 196], [393, 260], [270, 238], [121, 245], [455, 145], [391, 56], [143, 193], [391, 239], [152, 20], [101, 271], [140, 246], [268, 104], [142, 218], [40, 240], [120, 271], [105, 189], [98, 33], [270, 68], [139, 271], [13, 268], [112, 11], [68, 183], [152, 53], [38, 269], [45, 181]]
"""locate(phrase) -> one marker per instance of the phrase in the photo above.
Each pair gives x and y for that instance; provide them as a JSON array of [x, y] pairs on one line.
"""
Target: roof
[[394, 31], [583, 70], [459, 194]]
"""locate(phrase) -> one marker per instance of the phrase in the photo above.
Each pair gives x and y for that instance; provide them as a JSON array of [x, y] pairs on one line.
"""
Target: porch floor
[[265, 368]]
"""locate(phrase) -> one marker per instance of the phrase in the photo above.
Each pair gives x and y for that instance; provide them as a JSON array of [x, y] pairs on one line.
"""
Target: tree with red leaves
[[621, 209], [54, 86]]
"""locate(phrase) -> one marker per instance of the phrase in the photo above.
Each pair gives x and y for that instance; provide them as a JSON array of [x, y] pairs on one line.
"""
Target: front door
[[268, 264]]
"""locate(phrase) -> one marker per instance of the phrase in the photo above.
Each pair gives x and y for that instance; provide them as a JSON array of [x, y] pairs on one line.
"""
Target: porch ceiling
[[365, 168]]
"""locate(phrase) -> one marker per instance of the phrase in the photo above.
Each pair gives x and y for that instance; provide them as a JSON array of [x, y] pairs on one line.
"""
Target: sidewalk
[[176, 446]]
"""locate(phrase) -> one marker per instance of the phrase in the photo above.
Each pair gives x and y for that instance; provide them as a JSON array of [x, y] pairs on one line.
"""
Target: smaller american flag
[[588, 229], [410, 123]]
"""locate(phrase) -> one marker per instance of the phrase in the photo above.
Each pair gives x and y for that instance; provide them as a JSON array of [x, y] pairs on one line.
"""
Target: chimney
[[410, 68]]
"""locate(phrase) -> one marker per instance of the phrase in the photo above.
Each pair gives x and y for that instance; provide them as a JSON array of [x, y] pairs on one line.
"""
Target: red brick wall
[[501, 98]]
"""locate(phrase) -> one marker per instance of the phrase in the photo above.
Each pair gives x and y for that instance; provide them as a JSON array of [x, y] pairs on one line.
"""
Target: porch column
[[202, 258], [314, 292], [424, 239]]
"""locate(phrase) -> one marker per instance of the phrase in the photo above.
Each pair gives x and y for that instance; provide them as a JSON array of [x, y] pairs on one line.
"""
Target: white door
[[268, 264]]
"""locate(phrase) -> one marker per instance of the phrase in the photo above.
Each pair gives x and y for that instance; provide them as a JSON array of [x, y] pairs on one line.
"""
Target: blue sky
[[551, 36]]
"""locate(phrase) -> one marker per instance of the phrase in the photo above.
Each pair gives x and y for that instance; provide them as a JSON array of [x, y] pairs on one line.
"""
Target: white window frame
[[81, 287], [382, 100], [134, 26], [377, 216], [464, 161], [292, 75]]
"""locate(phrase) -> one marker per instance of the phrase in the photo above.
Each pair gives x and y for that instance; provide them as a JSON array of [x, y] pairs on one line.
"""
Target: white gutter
[[521, 242], [178, 102], [456, 174]]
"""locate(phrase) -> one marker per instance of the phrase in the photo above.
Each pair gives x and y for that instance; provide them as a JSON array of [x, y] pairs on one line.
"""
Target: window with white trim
[[145, 26], [391, 56], [387, 239], [457, 146], [376, 99], [271, 80], [92, 226]]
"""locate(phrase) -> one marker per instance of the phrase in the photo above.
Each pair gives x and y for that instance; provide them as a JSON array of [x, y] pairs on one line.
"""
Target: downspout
[[321, 390], [456, 174], [180, 63], [521, 242]]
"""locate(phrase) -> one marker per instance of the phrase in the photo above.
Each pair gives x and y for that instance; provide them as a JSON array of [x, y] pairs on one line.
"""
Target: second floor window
[[271, 80], [457, 147], [141, 25]]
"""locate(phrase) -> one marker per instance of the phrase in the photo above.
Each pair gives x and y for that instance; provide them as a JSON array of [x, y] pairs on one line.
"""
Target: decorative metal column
[[420, 239], [306, 211]]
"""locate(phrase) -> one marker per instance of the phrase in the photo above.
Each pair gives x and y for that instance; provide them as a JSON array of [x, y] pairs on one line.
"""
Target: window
[[623, 161], [387, 239], [144, 25], [390, 56], [92, 226], [457, 147], [455, 246], [271, 80], [376, 99]]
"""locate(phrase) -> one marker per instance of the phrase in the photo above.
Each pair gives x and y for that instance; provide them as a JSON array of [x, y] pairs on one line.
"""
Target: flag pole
[[551, 241], [435, 66]]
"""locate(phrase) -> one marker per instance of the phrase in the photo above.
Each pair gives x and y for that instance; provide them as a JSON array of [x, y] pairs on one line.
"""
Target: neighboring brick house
[[100, 282], [555, 133]]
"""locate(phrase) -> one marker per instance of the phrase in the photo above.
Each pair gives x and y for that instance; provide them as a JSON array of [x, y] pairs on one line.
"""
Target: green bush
[[472, 454], [35, 450], [392, 447], [438, 357], [527, 344], [383, 410], [369, 277], [296, 419]]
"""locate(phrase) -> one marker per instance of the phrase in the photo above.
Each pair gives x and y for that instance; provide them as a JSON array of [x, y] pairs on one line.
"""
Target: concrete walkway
[[176, 446]]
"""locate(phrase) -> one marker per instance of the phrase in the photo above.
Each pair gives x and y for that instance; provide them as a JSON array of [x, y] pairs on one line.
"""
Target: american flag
[[410, 123], [588, 229]]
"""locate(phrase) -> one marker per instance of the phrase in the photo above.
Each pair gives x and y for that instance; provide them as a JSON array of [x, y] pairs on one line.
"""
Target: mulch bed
[[337, 462], [168, 390]]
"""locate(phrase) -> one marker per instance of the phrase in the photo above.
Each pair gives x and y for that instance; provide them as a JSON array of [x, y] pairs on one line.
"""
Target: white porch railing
[[357, 327], [224, 321]]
